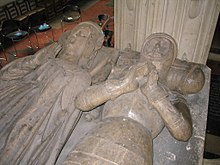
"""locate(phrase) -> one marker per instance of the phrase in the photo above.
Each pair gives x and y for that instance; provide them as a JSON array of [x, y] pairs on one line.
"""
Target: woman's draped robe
[[37, 111]]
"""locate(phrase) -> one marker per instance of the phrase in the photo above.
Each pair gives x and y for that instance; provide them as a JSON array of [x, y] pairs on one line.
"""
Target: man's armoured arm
[[110, 89], [176, 117]]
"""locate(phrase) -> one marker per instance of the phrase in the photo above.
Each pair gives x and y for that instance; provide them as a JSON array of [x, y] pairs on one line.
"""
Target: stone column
[[191, 22]]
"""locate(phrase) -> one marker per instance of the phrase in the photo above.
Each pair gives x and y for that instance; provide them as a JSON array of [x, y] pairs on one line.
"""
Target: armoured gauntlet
[[152, 90], [178, 124], [99, 94]]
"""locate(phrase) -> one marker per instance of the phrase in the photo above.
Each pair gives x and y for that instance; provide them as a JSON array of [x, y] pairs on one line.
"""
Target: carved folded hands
[[151, 89], [98, 94]]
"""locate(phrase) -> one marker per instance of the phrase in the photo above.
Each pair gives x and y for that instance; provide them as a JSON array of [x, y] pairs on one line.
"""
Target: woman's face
[[81, 44], [76, 42]]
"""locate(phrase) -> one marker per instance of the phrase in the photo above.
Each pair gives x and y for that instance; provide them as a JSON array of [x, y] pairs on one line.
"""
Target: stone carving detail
[[191, 23], [37, 95], [112, 103]]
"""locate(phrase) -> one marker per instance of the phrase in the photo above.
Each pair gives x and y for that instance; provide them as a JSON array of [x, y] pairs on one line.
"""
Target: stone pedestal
[[190, 22]]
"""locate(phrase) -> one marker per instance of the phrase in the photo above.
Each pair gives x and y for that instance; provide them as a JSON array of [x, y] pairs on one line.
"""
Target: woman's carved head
[[81, 42]]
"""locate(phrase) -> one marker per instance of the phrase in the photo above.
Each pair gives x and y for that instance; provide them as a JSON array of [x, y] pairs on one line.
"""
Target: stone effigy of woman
[[37, 94]]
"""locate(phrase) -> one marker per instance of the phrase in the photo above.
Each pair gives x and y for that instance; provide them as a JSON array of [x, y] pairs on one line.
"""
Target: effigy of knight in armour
[[132, 96]]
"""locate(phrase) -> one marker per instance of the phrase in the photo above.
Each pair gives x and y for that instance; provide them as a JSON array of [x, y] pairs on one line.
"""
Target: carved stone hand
[[151, 89]]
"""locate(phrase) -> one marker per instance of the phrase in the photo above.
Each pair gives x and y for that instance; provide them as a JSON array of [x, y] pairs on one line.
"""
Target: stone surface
[[191, 23]]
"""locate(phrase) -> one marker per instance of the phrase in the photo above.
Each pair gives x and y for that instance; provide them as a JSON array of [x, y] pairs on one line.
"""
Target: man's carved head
[[160, 50]]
